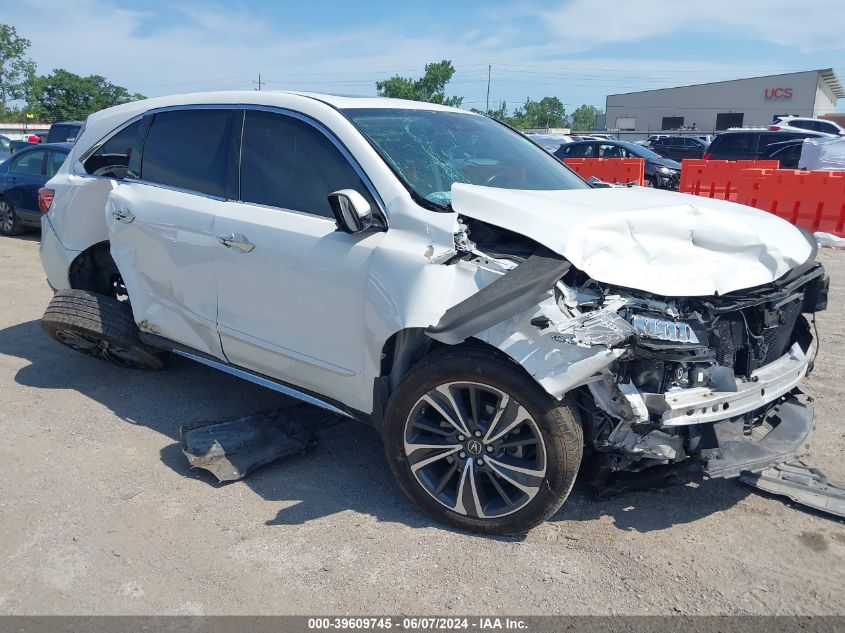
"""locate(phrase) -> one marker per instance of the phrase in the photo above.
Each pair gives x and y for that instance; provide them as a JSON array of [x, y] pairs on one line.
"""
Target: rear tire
[[10, 223], [98, 326], [482, 482]]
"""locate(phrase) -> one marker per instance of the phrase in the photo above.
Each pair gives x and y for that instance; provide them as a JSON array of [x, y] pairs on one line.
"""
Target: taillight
[[706, 156], [774, 128], [45, 198]]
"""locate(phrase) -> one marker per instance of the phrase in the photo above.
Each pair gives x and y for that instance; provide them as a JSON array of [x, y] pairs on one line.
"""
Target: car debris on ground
[[231, 449]]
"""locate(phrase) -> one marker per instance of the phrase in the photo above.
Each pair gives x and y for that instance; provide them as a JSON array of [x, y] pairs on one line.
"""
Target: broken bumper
[[703, 405], [793, 422]]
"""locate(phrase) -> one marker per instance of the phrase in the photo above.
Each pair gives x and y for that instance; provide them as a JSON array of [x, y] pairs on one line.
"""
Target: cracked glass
[[432, 150]]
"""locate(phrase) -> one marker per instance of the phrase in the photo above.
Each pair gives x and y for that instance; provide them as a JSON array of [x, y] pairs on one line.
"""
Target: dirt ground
[[99, 513]]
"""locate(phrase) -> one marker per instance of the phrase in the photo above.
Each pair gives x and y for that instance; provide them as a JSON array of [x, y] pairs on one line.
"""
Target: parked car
[[5, 147], [749, 144], [679, 147], [796, 123], [21, 176], [426, 270], [14, 146], [788, 153], [606, 137], [550, 142], [651, 139], [660, 172], [64, 131]]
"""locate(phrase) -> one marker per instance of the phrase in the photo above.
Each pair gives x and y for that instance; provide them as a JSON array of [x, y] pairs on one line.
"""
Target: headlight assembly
[[664, 330]]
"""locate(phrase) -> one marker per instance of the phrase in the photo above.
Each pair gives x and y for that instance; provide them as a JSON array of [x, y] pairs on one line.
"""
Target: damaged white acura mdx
[[437, 274]]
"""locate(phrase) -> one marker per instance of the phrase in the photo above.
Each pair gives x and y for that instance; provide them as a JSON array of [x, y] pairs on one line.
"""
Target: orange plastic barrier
[[814, 200], [717, 178], [609, 169]]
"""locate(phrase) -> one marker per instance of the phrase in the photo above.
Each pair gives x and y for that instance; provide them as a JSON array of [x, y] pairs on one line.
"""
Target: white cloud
[[808, 26], [226, 47]]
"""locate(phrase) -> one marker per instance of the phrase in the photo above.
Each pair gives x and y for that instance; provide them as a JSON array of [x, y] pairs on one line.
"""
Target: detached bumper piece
[[231, 449], [801, 483], [788, 427]]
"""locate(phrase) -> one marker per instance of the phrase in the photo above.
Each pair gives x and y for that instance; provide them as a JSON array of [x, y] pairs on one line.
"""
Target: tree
[[500, 113], [431, 87], [547, 112], [16, 70], [64, 95], [584, 118]]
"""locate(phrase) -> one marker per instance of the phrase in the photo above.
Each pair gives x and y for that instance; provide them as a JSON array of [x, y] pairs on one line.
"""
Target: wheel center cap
[[474, 447]]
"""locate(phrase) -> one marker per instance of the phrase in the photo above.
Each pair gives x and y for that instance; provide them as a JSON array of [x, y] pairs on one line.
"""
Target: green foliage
[[547, 112], [431, 87], [584, 118], [64, 95], [16, 69]]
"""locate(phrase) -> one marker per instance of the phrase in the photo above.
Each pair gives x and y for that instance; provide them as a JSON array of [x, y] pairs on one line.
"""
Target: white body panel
[[666, 243], [166, 258]]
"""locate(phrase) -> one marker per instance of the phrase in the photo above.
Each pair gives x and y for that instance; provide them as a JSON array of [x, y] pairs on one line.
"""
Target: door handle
[[122, 215], [236, 240]]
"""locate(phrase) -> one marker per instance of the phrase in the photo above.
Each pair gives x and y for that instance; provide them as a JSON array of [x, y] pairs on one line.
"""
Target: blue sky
[[577, 50]]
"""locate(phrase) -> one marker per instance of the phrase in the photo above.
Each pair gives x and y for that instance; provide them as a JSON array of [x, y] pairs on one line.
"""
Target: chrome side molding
[[263, 381]]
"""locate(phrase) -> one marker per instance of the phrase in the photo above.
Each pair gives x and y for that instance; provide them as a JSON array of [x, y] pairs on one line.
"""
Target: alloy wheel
[[475, 449], [7, 217]]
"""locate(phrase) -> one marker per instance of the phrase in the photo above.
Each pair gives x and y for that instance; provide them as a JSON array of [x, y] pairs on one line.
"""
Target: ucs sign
[[778, 93]]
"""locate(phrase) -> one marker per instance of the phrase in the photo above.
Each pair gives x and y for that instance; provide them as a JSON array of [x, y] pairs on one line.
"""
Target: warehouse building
[[724, 104]]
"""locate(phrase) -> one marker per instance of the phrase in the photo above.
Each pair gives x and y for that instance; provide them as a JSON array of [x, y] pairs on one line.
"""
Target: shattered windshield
[[432, 150]]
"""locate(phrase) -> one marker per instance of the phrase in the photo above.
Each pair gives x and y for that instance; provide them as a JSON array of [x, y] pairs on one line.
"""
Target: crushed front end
[[714, 379]]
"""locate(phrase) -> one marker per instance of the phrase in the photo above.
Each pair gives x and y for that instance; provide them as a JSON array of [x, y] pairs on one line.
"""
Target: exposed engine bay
[[656, 379]]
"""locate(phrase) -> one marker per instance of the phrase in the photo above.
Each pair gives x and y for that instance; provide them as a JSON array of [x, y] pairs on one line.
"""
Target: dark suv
[[679, 147], [750, 144], [65, 131]]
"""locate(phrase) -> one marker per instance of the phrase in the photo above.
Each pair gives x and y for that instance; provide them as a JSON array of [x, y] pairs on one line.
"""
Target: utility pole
[[259, 81], [489, 69]]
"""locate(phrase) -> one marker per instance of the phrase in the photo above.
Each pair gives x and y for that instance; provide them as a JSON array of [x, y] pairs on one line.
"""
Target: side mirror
[[351, 211]]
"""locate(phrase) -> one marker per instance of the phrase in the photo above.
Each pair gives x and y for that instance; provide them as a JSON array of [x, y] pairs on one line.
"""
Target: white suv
[[806, 124], [439, 275]]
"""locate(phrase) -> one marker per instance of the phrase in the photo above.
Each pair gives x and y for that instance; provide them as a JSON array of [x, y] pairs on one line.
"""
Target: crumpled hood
[[666, 243]]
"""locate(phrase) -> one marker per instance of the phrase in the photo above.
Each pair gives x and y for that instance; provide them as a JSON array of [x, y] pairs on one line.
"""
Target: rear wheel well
[[95, 270]]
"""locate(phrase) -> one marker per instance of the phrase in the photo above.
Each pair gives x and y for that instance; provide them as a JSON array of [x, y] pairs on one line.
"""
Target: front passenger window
[[31, 163], [288, 163]]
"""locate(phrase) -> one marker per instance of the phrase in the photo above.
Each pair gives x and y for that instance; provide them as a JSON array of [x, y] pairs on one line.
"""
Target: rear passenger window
[[287, 163], [735, 142], [112, 159], [190, 149], [54, 161]]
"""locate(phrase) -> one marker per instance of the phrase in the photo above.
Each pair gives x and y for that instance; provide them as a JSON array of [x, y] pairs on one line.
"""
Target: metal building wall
[[759, 99]]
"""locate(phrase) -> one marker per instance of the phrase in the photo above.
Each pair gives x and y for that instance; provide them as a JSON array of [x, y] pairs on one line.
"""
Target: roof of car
[[69, 123], [31, 146]]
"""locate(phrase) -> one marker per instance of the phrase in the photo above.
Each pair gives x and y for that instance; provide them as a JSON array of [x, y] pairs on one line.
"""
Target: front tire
[[98, 326], [477, 444]]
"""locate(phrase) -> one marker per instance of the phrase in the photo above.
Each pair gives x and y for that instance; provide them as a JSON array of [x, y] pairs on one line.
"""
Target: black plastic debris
[[801, 483], [231, 449]]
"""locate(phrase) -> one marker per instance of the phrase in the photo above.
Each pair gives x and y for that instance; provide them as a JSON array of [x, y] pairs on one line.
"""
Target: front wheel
[[477, 444]]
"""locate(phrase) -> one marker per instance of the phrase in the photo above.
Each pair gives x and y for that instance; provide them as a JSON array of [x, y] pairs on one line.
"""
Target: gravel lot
[[99, 512]]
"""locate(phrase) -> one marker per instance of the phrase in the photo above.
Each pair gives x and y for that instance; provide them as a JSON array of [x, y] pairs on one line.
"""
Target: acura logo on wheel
[[474, 447]]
